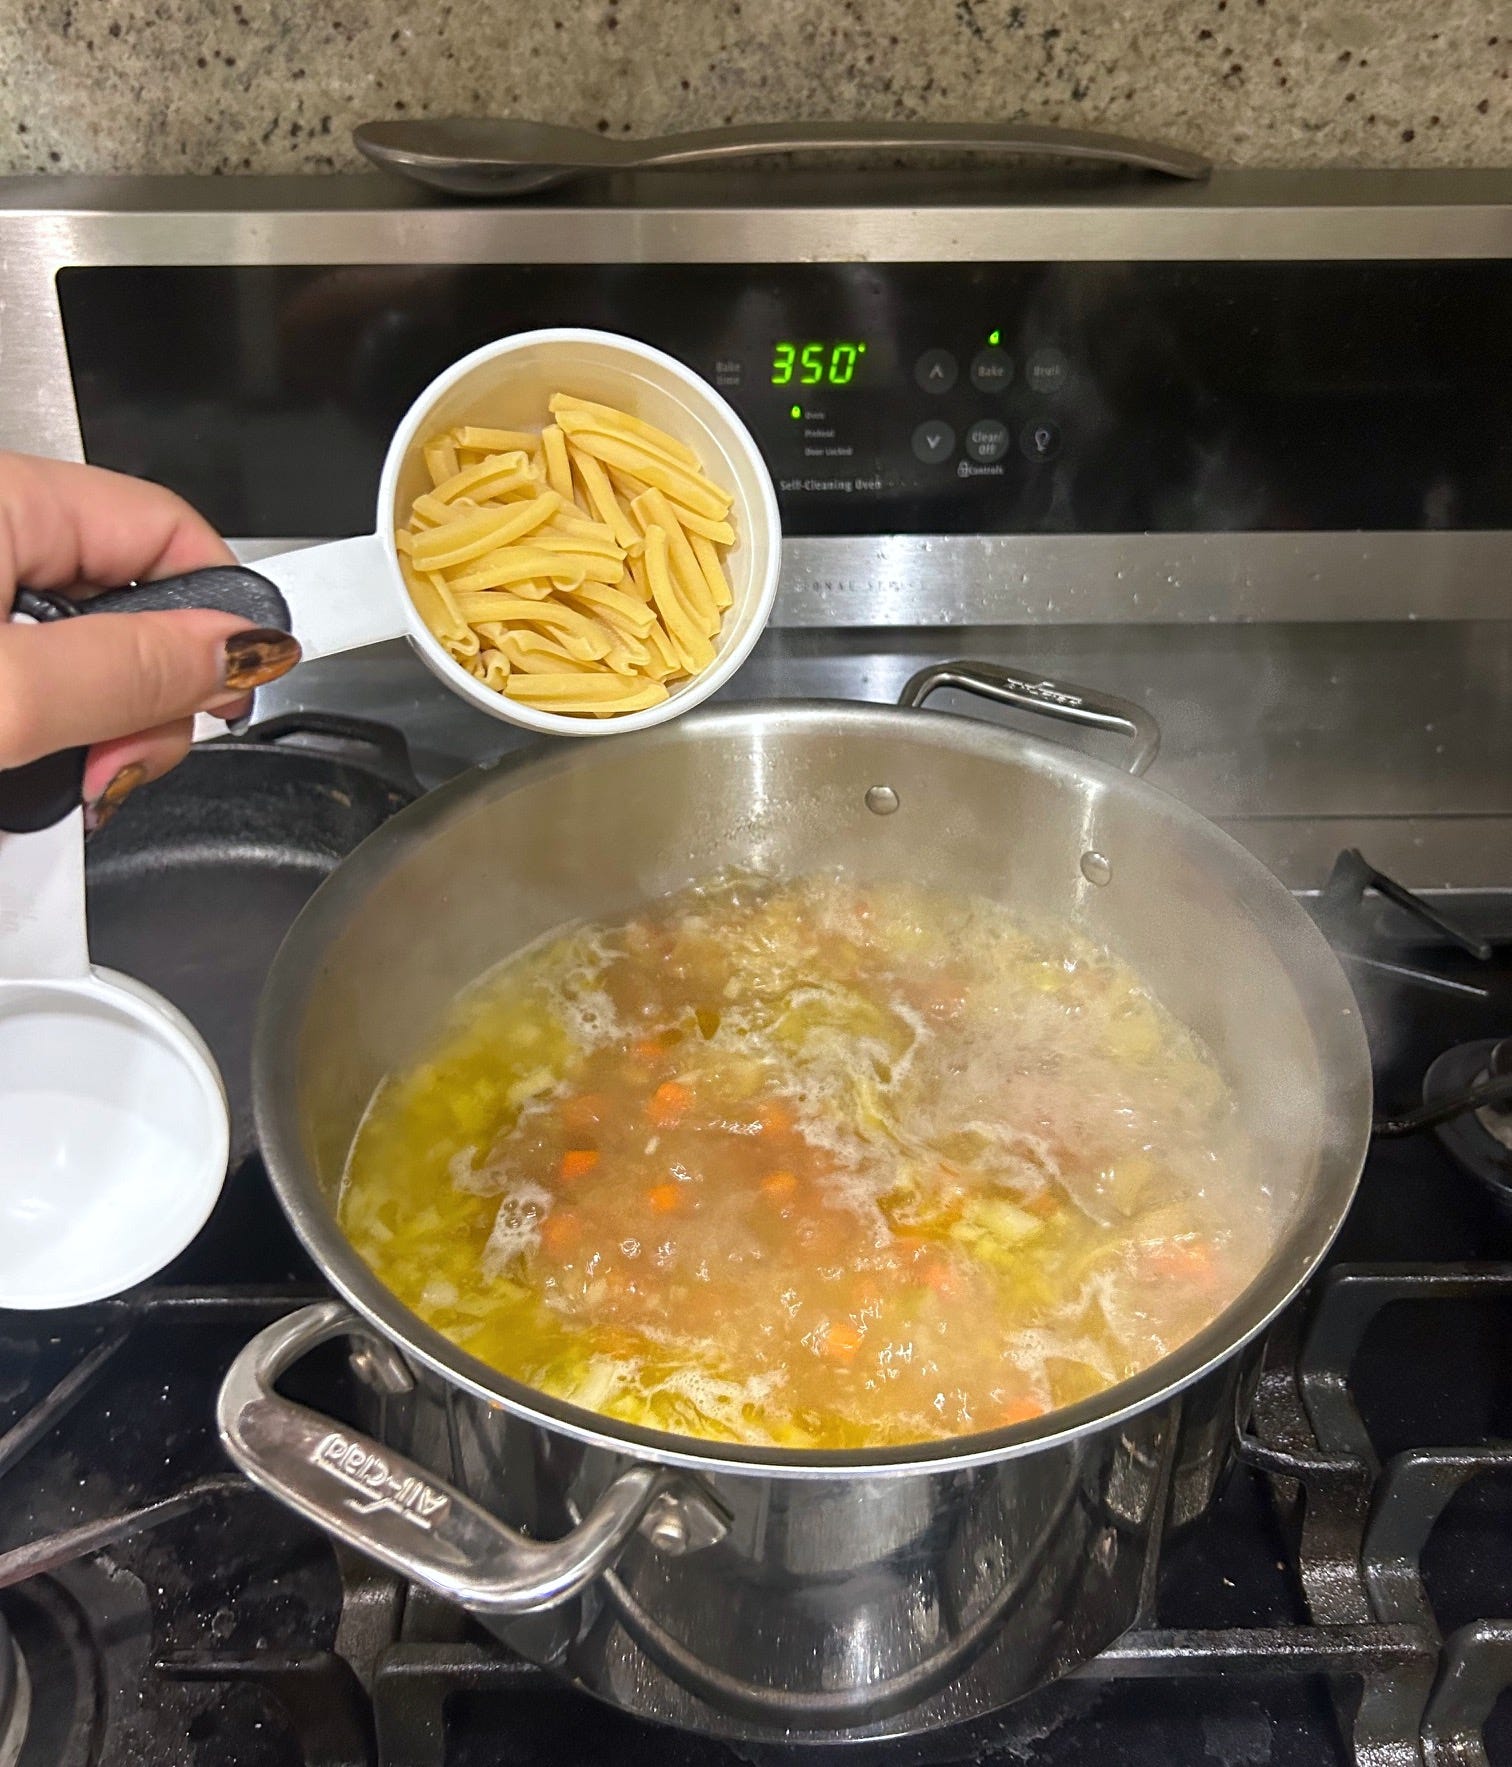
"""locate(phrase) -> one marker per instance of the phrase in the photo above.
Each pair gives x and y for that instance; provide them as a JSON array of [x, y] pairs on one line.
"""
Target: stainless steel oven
[[1236, 449]]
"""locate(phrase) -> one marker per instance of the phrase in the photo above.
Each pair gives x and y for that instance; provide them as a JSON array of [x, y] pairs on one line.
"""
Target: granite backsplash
[[264, 86]]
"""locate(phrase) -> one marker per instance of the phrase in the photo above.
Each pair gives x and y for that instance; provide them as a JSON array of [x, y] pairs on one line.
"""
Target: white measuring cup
[[352, 592], [113, 1121]]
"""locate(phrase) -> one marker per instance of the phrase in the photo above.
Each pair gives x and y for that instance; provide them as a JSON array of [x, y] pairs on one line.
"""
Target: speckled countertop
[[271, 86]]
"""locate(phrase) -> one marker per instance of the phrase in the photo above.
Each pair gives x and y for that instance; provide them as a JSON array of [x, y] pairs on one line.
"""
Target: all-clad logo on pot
[[377, 1488], [1046, 690]]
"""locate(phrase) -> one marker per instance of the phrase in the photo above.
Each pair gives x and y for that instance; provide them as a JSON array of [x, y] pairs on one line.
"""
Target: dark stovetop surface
[[232, 1632]]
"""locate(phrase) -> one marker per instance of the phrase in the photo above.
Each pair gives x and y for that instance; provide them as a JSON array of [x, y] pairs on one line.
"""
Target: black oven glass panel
[[924, 398]]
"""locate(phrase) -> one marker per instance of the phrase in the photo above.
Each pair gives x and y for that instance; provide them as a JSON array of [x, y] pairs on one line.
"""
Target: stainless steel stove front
[[1302, 740]]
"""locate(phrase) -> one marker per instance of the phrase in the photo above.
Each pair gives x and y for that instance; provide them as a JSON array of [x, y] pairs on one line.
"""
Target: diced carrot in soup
[[1018, 1411], [668, 1104], [1182, 1261], [841, 1341]]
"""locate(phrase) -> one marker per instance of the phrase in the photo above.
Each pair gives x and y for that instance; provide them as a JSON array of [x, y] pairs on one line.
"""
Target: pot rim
[[1341, 1046]]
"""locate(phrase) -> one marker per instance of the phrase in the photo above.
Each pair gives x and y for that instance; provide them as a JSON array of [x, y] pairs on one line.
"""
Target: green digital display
[[818, 362]]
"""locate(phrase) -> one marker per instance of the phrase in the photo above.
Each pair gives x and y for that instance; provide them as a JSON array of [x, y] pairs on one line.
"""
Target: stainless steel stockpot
[[754, 1592]]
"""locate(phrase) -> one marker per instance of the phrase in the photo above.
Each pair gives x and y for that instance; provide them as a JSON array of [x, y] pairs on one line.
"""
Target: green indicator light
[[994, 338], [796, 412]]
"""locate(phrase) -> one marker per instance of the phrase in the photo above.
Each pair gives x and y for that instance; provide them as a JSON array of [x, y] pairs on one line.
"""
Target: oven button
[[991, 370], [987, 439], [1040, 440], [1047, 372], [935, 371], [933, 442]]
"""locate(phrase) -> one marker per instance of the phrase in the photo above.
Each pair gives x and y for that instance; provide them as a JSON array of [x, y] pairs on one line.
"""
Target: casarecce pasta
[[579, 570]]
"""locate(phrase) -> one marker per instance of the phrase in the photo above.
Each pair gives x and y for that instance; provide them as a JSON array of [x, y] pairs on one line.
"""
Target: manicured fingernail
[[97, 814], [256, 657]]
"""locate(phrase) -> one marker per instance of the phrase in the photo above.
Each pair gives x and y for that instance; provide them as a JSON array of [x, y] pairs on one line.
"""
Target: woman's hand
[[128, 685]]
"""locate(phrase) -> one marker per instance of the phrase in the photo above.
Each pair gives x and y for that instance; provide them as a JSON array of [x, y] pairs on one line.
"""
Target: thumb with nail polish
[[126, 685]]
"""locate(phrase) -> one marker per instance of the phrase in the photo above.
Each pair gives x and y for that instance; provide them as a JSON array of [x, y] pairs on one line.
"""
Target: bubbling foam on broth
[[813, 1164]]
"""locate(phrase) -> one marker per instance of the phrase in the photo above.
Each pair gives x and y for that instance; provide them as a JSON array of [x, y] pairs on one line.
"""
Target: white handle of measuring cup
[[43, 934], [42, 930], [341, 595]]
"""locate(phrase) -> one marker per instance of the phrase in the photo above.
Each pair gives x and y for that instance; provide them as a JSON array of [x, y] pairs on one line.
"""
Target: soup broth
[[811, 1164]]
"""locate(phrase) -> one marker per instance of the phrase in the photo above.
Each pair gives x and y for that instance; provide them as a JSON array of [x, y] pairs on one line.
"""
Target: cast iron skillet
[[193, 884]]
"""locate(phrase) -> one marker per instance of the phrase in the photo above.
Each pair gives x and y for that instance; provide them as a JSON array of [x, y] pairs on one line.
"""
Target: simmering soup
[[811, 1164]]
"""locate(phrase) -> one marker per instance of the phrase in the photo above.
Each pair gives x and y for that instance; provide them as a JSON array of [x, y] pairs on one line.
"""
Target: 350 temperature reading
[[816, 364]]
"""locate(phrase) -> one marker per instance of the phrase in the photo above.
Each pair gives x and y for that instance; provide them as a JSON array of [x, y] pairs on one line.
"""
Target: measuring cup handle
[[44, 791], [333, 597], [342, 595], [42, 928]]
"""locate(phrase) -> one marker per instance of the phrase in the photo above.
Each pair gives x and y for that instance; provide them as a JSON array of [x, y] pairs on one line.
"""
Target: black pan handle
[[379, 748], [46, 790], [1053, 699]]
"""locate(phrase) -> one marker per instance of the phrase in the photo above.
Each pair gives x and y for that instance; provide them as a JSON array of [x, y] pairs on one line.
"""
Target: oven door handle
[[385, 1505]]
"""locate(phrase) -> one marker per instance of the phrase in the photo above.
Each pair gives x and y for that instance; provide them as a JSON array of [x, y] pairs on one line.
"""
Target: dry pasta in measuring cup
[[579, 570]]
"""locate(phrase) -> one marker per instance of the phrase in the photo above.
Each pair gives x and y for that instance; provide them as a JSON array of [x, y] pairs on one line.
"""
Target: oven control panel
[[954, 423], [914, 398]]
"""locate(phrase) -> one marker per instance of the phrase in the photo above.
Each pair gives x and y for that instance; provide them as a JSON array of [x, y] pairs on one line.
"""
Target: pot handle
[[378, 748], [1055, 699], [395, 1511]]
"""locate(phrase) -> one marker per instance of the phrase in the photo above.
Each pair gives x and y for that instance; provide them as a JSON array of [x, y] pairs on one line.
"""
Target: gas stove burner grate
[[15, 1698], [1340, 912], [1364, 1526], [1353, 878]]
